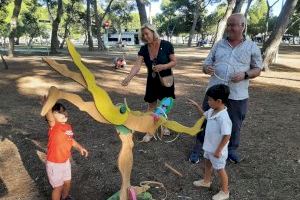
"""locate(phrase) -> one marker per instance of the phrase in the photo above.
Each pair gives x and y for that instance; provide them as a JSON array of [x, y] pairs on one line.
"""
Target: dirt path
[[270, 140]]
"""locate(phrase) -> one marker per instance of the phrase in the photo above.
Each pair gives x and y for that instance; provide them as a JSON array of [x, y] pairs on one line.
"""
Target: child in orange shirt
[[59, 152]]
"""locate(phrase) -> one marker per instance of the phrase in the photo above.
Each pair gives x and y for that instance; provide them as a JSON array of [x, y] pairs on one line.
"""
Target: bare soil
[[270, 135]]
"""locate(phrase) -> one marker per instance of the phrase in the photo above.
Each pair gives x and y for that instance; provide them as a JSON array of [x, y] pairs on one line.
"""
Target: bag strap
[[166, 69]]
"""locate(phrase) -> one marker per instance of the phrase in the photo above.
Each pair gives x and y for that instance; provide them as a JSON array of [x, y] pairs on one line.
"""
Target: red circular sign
[[106, 24]]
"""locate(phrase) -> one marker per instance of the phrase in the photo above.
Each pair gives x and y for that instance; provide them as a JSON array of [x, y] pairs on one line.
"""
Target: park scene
[[93, 57]]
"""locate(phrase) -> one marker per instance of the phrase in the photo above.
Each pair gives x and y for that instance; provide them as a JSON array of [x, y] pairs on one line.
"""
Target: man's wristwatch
[[246, 75]]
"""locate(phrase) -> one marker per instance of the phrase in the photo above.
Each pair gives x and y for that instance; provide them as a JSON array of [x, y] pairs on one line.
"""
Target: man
[[232, 61]]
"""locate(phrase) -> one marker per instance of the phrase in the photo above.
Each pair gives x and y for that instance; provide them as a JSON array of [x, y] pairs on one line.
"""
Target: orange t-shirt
[[60, 143]]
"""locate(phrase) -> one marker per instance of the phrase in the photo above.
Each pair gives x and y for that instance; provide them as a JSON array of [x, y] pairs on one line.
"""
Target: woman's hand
[[158, 68], [125, 82]]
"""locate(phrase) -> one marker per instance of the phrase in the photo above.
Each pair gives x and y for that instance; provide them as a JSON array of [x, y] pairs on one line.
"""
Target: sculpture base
[[142, 196]]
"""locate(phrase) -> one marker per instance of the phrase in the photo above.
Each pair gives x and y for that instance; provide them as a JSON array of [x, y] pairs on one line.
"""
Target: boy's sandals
[[147, 137], [201, 183], [221, 196], [68, 198], [134, 191], [165, 131], [194, 157]]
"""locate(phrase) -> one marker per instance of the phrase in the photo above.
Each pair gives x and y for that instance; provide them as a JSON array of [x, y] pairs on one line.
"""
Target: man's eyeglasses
[[233, 25]]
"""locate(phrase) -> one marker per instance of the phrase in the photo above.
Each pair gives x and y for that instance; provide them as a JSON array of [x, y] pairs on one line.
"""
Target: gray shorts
[[58, 173], [217, 163]]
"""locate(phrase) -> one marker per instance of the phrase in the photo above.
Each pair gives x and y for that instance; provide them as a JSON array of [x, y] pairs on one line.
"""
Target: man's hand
[[238, 77], [209, 69]]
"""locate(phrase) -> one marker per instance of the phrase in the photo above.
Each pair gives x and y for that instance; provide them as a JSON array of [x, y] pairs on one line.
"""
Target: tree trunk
[[4, 62], [267, 19], [85, 38], [88, 25], [98, 23], [270, 48], [55, 25], [267, 22], [13, 26], [66, 34], [170, 32], [142, 11], [238, 6], [292, 24], [49, 10], [149, 11], [120, 35], [247, 9], [17, 41], [30, 42], [68, 21], [223, 21], [195, 20]]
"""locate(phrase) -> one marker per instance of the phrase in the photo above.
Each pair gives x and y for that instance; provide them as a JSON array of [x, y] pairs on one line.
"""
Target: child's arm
[[79, 148], [49, 115], [200, 110], [223, 142]]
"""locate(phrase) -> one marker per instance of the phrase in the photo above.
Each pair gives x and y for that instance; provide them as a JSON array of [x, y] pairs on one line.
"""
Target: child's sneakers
[[194, 157], [165, 131], [234, 157], [221, 196], [68, 198], [201, 183], [147, 138]]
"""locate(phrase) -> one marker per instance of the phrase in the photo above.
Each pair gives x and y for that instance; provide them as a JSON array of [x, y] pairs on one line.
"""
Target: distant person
[[201, 43], [158, 56], [119, 63], [232, 61], [217, 135], [60, 143]]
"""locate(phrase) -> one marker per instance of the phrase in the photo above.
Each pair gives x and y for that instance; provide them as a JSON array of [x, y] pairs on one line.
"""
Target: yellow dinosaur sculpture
[[103, 110]]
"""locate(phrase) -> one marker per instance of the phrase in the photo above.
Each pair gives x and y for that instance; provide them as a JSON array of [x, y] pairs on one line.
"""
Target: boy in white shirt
[[217, 135]]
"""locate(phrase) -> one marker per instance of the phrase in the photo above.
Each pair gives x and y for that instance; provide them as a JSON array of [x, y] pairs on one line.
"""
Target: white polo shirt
[[217, 126]]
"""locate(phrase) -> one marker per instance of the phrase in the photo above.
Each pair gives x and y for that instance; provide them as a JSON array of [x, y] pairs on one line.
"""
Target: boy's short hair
[[58, 107], [219, 91]]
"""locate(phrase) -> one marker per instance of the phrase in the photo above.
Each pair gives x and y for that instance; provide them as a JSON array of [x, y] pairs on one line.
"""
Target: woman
[[158, 56]]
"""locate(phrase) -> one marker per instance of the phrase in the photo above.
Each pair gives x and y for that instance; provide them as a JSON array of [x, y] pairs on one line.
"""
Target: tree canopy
[[189, 19]]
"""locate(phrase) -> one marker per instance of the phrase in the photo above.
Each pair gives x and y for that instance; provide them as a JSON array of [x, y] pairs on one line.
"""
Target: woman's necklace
[[153, 49], [153, 52]]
